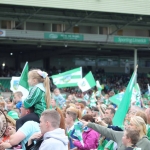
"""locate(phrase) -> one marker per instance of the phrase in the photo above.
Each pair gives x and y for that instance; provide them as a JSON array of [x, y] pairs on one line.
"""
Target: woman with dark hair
[[90, 137]]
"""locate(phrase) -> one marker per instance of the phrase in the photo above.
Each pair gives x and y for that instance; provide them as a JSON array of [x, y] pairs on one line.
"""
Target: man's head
[[17, 96], [50, 120], [95, 111], [70, 97], [9, 106], [88, 111], [130, 137], [53, 103], [25, 111], [80, 106], [71, 115], [147, 112], [109, 113]]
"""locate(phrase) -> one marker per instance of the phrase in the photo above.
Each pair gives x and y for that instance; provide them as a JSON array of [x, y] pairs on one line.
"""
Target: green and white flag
[[99, 87], [98, 93], [78, 131], [86, 97], [136, 95], [14, 83], [68, 79], [21, 83], [93, 100], [125, 103], [87, 82], [116, 99]]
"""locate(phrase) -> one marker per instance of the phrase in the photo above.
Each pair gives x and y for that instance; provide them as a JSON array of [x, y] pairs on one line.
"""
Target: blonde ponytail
[[47, 91]]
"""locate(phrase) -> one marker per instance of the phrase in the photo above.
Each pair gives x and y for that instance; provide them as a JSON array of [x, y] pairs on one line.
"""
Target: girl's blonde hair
[[42, 79], [139, 123]]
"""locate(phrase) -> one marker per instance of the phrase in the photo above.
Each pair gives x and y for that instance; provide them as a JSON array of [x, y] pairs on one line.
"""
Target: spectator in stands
[[18, 99], [54, 138], [81, 108], [90, 137], [130, 138], [147, 112], [4, 142], [26, 130], [69, 98], [103, 142], [13, 114], [9, 106], [31, 116], [39, 94], [72, 114], [95, 111], [53, 104], [136, 123], [60, 100], [88, 111], [109, 113], [38, 136]]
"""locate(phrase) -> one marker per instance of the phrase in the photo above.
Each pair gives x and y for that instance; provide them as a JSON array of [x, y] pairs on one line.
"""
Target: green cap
[[13, 114]]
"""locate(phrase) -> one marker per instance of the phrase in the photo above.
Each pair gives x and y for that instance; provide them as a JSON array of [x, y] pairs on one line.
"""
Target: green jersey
[[36, 99]]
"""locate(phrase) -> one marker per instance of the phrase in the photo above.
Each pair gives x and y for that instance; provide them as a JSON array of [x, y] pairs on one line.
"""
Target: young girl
[[39, 95]]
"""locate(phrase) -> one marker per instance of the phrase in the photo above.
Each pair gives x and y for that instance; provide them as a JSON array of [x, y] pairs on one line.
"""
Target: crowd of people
[[111, 81], [3, 89], [54, 119]]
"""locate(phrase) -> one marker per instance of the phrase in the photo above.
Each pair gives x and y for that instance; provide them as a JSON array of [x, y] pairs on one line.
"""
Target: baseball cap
[[13, 114]]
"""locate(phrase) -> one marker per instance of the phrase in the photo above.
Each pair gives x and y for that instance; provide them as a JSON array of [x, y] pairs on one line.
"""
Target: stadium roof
[[72, 17]]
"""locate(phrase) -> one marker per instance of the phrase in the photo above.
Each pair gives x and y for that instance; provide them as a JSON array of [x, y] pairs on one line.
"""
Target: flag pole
[[136, 67]]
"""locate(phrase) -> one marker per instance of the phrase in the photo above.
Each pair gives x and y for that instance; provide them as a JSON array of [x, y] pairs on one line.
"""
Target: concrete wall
[[35, 26]]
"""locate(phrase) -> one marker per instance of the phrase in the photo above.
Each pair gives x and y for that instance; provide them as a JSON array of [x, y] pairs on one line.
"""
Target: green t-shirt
[[102, 146], [106, 144]]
